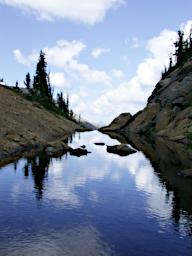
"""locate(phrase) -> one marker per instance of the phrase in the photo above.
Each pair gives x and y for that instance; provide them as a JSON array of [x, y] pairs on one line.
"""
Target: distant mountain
[[88, 125]]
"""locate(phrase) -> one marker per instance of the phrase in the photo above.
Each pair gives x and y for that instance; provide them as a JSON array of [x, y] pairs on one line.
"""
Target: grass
[[50, 106]]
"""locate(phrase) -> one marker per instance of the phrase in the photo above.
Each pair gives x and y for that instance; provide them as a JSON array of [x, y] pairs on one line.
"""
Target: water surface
[[100, 204]]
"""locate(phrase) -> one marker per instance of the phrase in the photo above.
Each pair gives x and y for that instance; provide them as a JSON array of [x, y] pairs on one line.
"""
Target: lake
[[99, 204]]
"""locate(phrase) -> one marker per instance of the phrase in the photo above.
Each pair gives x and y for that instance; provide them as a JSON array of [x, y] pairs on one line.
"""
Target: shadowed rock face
[[169, 160]]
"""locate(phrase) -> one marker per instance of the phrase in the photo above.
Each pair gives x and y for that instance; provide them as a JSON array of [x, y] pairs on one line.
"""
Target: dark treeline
[[40, 90], [183, 50]]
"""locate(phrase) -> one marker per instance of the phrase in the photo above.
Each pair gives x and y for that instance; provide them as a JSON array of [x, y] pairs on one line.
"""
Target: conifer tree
[[67, 103], [190, 40], [50, 89], [170, 63], [61, 103], [41, 84], [27, 81], [179, 45], [17, 85], [71, 114]]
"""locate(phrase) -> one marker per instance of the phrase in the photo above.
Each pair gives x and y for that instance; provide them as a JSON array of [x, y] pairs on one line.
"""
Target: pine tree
[[180, 45], [61, 103], [67, 104], [71, 114], [27, 81], [41, 84], [17, 85], [170, 63], [190, 39], [50, 89]]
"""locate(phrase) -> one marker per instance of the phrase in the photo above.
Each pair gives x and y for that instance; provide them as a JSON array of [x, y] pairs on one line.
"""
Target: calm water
[[100, 204]]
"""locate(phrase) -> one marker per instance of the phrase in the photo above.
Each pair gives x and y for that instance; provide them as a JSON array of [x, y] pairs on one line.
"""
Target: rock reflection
[[168, 159]]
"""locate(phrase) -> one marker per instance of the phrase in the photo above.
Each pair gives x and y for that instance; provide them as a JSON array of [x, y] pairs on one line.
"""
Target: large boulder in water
[[121, 150], [78, 152]]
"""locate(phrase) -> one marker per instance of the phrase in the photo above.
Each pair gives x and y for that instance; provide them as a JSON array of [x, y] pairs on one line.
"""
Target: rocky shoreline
[[28, 128]]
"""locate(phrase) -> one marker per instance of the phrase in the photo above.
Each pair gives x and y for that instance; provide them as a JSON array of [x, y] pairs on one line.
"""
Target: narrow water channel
[[99, 204]]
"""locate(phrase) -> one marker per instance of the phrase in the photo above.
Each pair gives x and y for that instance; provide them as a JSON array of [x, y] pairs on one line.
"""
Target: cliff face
[[26, 125], [169, 110]]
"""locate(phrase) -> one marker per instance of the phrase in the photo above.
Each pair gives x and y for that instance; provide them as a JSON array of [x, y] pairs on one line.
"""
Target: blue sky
[[107, 54]]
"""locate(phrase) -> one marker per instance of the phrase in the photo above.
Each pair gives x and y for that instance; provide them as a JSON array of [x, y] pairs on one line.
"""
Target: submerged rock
[[99, 144], [121, 150], [186, 173], [57, 148], [78, 152]]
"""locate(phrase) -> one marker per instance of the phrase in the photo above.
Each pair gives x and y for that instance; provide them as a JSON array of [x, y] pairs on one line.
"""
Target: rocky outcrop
[[168, 113], [118, 123]]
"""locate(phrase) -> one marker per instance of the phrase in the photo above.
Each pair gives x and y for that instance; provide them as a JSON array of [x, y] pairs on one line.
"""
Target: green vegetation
[[40, 90], [183, 51]]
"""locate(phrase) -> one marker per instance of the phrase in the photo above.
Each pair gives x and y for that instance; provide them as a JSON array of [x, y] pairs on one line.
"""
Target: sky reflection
[[90, 205]]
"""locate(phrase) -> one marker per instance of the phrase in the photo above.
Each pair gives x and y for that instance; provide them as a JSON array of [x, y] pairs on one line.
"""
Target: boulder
[[121, 150], [78, 152]]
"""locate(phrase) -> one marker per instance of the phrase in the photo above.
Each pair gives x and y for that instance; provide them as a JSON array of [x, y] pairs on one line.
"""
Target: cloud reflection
[[66, 242]]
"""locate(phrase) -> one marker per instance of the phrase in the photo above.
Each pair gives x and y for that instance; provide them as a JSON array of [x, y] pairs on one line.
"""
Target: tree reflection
[[39, 167]]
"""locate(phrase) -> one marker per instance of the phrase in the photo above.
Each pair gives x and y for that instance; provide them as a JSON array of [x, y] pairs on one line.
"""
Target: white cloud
[[64, 55], [63, 52], [88, 74], [96, 53], [106, 102], [59, 80], [186, 27], [84, 11], [132, 95], [161, 46], [116, 73], [20, 58]]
